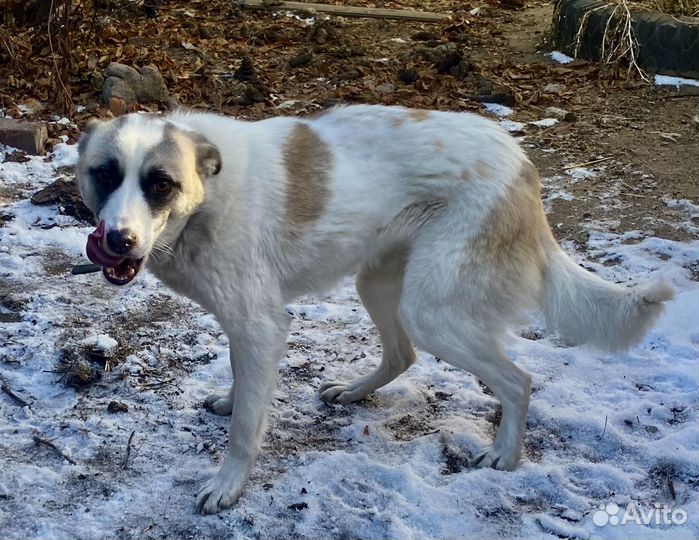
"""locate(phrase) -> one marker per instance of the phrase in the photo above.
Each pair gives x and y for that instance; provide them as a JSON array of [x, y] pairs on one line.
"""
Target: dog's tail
[[585, 309]]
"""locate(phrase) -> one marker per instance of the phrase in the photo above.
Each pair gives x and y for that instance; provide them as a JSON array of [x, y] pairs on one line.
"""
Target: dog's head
[[141, 175]]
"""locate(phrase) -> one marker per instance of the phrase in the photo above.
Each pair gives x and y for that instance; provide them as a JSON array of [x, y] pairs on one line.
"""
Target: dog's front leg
[[256, 349]]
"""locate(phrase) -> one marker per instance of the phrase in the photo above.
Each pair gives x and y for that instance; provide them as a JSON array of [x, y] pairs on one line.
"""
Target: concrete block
[[27, 136]]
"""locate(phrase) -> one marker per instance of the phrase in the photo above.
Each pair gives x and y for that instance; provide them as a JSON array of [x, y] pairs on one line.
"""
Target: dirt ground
[[650, 133]]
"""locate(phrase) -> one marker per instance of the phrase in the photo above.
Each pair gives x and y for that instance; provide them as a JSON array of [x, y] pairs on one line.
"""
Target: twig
[[66, 93], [156, 384], [52, 445], [605, 427], [128, 451], [5, 388], [593, 162], [85, 269], [619, 40]]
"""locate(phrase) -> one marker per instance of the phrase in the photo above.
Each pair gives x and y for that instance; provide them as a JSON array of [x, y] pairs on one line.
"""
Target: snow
[[100, 342], [580, 173], [65, 155], [665, 80], [497, 109], [512, 126], [545, 122], [602, 429], [561, 58]]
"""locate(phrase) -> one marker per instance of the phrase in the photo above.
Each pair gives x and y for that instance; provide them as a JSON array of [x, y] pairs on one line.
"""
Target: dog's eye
[[162, 186], [104, 176]]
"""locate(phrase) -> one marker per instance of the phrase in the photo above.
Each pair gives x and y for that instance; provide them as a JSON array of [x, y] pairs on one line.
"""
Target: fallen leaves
[[307, 63]]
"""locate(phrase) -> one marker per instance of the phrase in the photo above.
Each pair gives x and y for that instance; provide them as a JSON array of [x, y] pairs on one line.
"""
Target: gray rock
[[134, 86], [117, 88], [554, 88], [556, 112], [561, 114]]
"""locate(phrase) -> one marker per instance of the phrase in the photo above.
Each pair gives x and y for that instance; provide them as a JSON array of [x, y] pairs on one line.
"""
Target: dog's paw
[[220, 492], [340, 392], [220, 404], [495, 458]]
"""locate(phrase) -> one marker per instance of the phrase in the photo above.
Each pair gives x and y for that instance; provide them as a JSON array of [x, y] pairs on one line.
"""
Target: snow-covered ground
[[665, 80], [617, 430]]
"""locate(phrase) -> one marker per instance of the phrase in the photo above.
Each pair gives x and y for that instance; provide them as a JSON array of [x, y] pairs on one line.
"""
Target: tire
[[667, 44]]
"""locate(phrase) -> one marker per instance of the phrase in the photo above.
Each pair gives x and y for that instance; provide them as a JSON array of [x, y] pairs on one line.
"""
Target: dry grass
[[619, 44], [689, 8]]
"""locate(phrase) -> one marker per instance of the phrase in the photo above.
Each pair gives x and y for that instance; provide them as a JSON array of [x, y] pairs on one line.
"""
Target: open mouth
[[124, 272], [117, 270]]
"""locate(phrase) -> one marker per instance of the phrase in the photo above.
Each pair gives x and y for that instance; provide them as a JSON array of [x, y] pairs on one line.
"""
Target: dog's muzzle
[[117, 269]]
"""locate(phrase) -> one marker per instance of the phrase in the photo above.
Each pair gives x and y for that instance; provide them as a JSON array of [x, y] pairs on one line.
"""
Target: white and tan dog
[[438, 213]]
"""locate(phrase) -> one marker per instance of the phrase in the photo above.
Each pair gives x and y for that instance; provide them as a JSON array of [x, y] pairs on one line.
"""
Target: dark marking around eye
[[106, 178], [158, 188]]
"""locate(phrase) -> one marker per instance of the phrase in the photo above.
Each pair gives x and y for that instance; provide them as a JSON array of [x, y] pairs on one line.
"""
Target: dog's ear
[[207, 155], [90, 128]]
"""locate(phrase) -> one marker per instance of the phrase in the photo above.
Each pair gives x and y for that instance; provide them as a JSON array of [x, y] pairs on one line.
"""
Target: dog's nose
[[121, 242]]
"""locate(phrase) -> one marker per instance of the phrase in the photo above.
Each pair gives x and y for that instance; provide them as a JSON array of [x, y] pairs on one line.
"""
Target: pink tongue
[[95, 251]]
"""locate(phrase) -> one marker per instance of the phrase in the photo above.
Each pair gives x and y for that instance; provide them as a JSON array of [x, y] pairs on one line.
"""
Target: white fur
[[409, 200], [585, 309]]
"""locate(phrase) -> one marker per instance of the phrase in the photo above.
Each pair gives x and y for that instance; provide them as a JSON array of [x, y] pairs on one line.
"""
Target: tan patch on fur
[[398, 121], [308, 161], [518, 219], [513, 241], [484, 169], [419, 115], [438, 145], [530, 175], [466, 175]]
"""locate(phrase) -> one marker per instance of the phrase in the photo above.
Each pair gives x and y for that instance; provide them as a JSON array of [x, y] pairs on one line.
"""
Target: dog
[[439, 214]]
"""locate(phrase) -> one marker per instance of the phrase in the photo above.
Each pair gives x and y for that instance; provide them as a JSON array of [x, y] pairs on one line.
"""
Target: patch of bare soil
[[646, 137]]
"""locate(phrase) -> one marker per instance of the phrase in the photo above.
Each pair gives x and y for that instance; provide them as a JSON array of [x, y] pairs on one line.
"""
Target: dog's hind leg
[[448, 317], [380, 290]]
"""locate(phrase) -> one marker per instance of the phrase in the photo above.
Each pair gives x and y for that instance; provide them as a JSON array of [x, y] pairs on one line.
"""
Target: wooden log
[[346, 11]]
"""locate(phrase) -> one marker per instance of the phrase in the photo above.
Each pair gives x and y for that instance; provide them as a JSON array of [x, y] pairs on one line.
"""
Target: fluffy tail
[[585, 309]]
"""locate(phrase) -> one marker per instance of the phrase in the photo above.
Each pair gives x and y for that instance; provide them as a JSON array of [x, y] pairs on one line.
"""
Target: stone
[[117, 106], [556, 112], [301, 60], [206, 32], [117, 407], [114, 87], [561, 114], [29, 137], [134, 86], [554, 88], [408, 76]]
